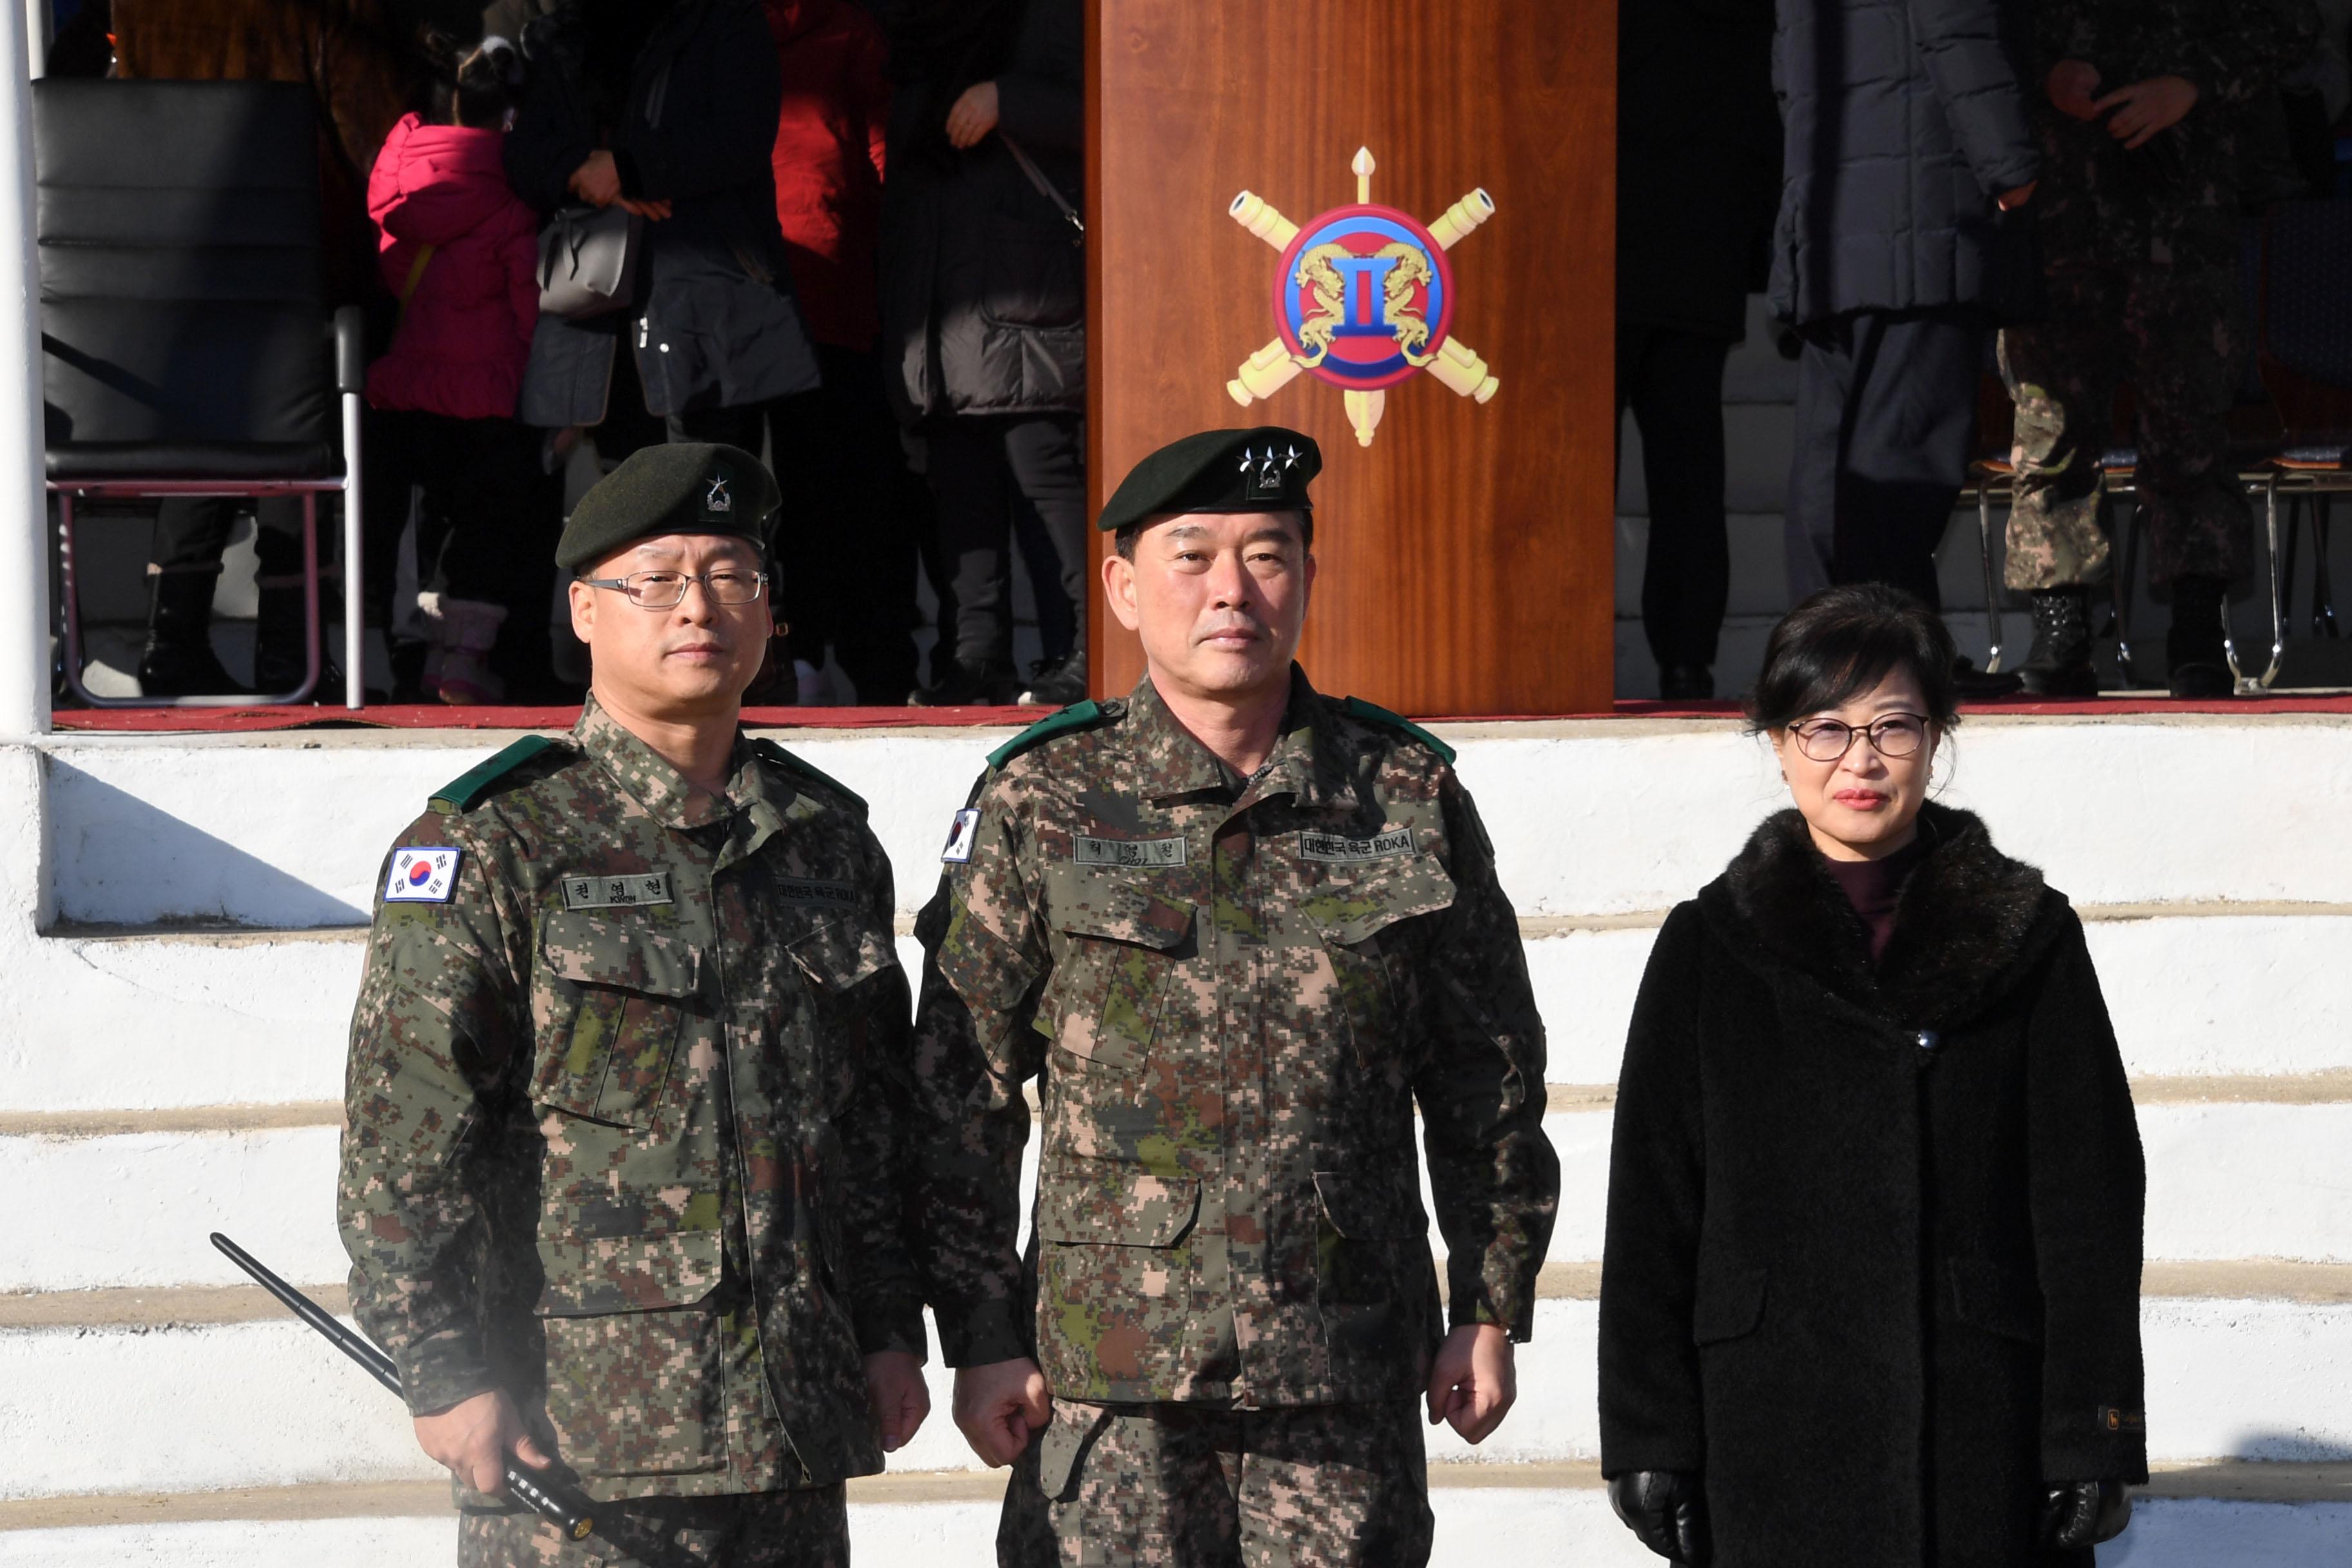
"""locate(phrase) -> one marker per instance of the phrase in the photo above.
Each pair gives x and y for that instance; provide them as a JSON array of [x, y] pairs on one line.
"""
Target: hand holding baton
[[565, 1507]]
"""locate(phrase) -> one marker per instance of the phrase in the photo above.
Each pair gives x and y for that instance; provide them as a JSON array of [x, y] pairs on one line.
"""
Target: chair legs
[[2250, 684], [1991, 582], [2120, 577]]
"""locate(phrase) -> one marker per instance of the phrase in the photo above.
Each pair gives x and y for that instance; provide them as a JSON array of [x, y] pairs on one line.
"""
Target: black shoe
[[991, 685], [2059, 663], [178, 659], [1685, 683], [1058, 684], [1976, 685], [2196, 652]]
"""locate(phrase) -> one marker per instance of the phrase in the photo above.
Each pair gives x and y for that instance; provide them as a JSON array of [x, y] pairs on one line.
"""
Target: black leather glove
[[2075, 1514], [1666, 1511]]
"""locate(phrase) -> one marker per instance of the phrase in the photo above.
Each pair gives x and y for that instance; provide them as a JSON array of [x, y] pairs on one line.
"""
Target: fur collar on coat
[[1970, 922]]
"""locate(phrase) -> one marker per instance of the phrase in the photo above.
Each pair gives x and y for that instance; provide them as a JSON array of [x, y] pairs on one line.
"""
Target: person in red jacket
[[845, 546], [460, 252]]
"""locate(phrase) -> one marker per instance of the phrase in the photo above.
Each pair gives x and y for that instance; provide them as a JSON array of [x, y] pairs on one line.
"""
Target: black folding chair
[[186, 346], [2306, 352]]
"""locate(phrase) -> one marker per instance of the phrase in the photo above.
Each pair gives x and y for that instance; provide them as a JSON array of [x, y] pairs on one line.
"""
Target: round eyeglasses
[[666, 590], [1892, 735]]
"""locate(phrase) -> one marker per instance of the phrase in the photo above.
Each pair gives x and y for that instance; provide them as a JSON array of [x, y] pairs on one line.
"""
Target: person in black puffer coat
[[1909, 157], [984, 317]]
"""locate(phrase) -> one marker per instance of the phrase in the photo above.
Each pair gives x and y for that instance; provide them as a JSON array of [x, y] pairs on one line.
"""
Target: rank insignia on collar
[[421, 876], [962, 834], [1364, 298]]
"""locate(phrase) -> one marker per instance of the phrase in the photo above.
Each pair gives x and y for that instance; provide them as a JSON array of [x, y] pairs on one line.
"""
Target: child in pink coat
[[459, 250]]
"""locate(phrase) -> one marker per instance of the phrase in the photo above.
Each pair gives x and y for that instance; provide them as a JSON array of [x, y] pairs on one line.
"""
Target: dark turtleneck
[[1875, 887]]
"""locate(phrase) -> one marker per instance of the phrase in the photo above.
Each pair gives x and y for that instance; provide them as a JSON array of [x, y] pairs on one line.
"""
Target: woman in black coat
[[1870, 1291]]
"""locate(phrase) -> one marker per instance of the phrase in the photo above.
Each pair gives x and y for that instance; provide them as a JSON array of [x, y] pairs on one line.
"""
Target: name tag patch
[[421, 876], [624, 891], [962, 834], [1339, 848], [807, 890], [1088, 851]]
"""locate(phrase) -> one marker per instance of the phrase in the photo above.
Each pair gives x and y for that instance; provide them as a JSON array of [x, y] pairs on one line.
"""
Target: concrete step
[[196, 1019], [1608, 816], [150, 1407], [2227, 1179], [1485, 1514]]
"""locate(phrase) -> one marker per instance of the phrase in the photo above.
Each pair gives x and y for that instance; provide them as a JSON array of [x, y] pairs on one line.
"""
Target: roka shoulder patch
[[621, 889], [1373, 713], [469, 788], [1342, 850], [962, 834], [421, 874]]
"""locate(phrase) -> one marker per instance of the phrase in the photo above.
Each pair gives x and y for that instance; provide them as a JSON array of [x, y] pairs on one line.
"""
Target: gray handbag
[[588, 261]]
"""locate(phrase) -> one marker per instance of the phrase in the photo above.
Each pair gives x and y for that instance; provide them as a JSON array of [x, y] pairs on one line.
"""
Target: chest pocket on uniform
[[1378, 987], [1109, 988], [610, 1001], [835, 956]]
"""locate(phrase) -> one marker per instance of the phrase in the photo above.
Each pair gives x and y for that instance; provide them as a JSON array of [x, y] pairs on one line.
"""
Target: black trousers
[[992, 474], [844, 549], [1887, 402], [1673, 381], [491, 510]]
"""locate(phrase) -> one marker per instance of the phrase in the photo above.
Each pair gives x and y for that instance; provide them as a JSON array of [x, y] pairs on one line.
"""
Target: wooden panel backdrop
[[1466, 554]]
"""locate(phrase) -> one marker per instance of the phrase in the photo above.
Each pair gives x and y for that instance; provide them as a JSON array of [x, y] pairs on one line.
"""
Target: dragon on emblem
[[1317, 273]]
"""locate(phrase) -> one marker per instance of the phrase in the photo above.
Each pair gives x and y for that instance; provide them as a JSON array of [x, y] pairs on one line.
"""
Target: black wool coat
[[1903, 121], [1873, 1240]]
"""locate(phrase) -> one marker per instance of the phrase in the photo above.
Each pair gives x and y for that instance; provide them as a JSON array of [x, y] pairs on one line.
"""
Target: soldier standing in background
[[1236, 930], [2140, 114], [616, 1186]]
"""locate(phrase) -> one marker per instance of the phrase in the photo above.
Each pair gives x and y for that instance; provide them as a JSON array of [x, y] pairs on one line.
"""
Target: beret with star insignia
[[690, 487], [1263, 469]]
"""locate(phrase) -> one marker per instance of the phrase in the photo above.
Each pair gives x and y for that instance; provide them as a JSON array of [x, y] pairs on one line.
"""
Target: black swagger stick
[[565, 1508]]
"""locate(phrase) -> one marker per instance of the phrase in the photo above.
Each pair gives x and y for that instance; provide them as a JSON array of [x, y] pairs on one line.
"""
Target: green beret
[[687, 488], [1264, 469]]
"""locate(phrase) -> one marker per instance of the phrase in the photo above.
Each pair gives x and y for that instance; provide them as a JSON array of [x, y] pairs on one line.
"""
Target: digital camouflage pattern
[[804, 1528], [617, 1140], [2140, 255], [1176, 1486], [1232, 993]]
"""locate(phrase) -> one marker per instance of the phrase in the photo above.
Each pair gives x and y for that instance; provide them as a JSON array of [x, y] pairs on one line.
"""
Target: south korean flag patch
[[961, 837], [421, 876]]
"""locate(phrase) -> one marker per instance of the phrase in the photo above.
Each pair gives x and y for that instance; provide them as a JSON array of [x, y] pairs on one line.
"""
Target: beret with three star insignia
[[690, 487], [1263, 469]]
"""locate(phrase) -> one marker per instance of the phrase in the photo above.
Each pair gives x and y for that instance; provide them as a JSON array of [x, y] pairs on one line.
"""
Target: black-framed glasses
[[666, 590], [1891, 734]]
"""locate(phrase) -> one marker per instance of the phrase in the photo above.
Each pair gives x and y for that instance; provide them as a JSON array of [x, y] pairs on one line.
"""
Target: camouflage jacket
[[2176, 199], [616, 1139], [1233, 994]]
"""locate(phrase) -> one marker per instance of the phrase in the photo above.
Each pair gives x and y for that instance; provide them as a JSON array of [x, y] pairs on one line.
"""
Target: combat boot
[[178, 659], [2059, 663], [2195, 650]]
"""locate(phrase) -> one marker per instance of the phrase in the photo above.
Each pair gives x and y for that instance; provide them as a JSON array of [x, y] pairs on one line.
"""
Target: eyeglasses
[[666, 590], [1829, 740]]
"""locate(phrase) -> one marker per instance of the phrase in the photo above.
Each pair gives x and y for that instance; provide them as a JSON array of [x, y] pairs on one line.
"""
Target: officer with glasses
[[617, 1188]]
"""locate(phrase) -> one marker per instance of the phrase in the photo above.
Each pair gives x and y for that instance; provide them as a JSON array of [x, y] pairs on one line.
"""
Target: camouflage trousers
[[1199, 1485], [801, 1529], [2172, 332]]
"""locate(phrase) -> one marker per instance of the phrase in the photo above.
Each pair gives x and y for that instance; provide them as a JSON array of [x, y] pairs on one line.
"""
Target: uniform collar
[[647, 777], [1170, 762]]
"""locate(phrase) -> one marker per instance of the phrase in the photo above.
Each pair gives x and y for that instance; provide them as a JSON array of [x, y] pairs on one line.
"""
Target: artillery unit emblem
[[1362, 300]]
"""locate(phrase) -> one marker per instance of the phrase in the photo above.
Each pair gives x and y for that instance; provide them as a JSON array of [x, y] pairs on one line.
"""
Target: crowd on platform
[[850, 232], [2056, 192]]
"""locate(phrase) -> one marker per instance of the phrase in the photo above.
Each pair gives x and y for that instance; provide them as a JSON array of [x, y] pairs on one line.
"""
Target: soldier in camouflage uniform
[[2141, 113], [616, 1186], [1235, 930]]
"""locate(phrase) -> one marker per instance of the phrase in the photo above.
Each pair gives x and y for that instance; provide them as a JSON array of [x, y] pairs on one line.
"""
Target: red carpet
[[436, 716]]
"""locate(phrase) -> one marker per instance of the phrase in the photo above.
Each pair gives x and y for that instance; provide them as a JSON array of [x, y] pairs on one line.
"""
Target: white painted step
[[2226, 1181], [196, 1020], [1476, 1528], [269, 1403], [1588, 816]]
